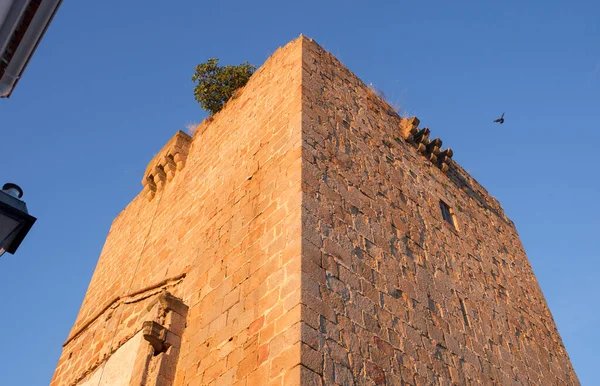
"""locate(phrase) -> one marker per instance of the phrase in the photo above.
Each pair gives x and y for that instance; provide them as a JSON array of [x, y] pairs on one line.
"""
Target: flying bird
[[500, 120]]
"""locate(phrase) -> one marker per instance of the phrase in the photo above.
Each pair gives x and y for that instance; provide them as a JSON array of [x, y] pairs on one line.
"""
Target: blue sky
[[110, 84]]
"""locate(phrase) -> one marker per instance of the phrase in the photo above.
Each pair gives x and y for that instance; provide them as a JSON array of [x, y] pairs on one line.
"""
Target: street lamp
[[15, 221]]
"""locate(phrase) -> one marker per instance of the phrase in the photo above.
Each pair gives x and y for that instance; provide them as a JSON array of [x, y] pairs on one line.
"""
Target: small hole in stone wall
[[230, 339], [463, 308], [70, 355], [396, 293], [448, 214]]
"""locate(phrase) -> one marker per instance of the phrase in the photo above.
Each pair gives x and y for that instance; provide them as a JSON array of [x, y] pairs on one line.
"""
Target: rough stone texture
[[306, 237], [395, 293]]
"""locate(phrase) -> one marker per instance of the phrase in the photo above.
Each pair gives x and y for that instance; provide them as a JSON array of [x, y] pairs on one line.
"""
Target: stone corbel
[[169, 166], [156, 335], [420, 136], [165, 165], [162, 330], [431, 149], [180, 160], [408, 127], [149, 187], [160, 177]]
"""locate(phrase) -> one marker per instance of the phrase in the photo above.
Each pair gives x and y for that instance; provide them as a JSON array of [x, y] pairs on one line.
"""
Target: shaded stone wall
[[397, 295]]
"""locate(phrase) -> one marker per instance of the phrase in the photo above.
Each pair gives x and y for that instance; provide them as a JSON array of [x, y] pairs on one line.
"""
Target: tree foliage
[[216, 84]]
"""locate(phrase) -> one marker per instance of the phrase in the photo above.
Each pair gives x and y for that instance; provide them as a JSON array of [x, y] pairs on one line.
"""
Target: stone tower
[[308, 235]]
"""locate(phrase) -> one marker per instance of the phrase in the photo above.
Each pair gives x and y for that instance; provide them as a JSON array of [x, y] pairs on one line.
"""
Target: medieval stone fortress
[[309, 235]]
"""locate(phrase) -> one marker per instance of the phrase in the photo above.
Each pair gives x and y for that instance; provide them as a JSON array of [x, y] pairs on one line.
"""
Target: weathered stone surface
[[436, 302], [305, 243]]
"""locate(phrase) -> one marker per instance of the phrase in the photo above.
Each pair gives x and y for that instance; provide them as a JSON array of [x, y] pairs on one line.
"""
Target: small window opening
[[447, 214], [465, 314]]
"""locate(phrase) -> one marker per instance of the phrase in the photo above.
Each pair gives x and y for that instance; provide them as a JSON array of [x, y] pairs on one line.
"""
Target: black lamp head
[[13, 189]]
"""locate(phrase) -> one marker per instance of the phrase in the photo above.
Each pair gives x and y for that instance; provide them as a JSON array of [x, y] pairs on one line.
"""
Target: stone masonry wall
[[304, 239], [223, 236], [397, 295]]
